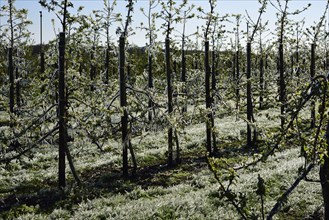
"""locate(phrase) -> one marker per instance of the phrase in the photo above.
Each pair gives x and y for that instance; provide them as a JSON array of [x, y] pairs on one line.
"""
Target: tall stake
[[150, 84], [183, 73], [42, 55], [282, 85], [62, 112], [249, 98], [150, 60], [208, 97], [10, 60], [213, 94], [170, 107], [123, 104]]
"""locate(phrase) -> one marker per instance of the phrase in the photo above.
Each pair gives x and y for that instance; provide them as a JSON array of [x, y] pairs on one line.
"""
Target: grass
[[185, 191]]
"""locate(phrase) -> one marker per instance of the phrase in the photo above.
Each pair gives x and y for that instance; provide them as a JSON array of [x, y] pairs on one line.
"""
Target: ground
[[185, 191]]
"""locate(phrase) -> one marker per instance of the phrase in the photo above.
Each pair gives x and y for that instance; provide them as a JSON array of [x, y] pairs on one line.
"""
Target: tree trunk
[[133, 158], [71, 164], [62, 112], [292, 64], [324, 178], [92, 69], [233, 68], [129, 78], [170, 107], [18, 88], [298, 67], [327, 60], [107, 65], [123, 105], [261, 82], [208, 98], [42, 62], [237, 73], [42, 68], [312, 72], [178, 157], [11, 80], [175, 69], [81, 64], [196, 59]]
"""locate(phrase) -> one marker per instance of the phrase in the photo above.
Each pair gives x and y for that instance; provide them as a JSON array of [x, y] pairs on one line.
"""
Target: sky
[[223, 7]]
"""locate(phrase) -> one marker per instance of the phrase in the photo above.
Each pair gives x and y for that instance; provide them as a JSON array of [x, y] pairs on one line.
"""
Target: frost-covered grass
[[187, 191], [195, 197]]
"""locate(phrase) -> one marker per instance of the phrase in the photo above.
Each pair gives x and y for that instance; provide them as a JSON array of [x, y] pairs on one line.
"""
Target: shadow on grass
[[44, 197]]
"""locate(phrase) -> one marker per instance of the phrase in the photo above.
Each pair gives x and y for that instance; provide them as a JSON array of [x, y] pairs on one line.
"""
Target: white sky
[[223, 7]]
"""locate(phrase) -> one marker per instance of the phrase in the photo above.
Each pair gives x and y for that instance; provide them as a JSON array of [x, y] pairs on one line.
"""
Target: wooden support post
[[170, 106], [123, 105], [208, 98], [62, 112]]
